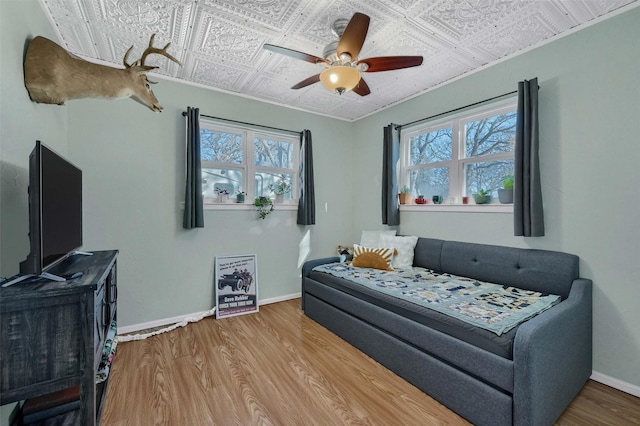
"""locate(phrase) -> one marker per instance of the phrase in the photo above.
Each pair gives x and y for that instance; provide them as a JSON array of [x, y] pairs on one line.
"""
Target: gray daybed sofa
[[528, 377]]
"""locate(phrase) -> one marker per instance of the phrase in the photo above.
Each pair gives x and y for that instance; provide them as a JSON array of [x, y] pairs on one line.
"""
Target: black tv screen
[[55, 209]]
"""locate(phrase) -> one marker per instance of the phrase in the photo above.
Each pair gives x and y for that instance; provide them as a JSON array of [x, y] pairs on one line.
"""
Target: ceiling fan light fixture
[[340, 78], [345, 57]]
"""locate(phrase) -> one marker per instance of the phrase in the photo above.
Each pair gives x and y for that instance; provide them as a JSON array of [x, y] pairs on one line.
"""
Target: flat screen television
[[55, 210]]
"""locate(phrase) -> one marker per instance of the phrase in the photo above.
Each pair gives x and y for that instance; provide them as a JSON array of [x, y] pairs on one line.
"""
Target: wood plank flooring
[[278, 367]]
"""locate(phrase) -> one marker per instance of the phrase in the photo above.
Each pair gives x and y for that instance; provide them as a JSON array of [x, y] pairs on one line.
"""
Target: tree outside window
[[460, 156], [275, 163], [233, 164], [430, 157], [490, 143]]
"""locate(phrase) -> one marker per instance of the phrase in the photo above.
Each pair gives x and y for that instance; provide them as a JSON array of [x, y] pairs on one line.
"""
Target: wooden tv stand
[[52, 334]]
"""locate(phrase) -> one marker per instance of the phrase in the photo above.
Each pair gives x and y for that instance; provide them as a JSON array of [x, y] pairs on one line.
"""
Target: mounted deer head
[[52, 75]]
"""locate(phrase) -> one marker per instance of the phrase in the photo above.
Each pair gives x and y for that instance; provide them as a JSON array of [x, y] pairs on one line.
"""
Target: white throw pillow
[[404, 246], [372, 238]]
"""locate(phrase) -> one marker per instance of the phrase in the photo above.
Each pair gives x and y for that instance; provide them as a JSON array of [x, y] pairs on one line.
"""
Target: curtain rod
[[184, 114], [457, 109]]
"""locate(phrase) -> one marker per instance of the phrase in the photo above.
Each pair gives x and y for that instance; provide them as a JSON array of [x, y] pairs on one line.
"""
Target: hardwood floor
[[278, 367]]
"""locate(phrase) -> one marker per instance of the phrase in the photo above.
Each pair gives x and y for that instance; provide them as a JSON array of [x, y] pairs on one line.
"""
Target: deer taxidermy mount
[[52, 75]]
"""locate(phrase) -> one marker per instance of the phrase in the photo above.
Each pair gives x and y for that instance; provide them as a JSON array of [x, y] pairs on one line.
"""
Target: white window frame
[[458, 161], [249, 168]]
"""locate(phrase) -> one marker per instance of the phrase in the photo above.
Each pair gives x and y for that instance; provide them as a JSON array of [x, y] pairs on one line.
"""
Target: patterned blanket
[[490, 306], [108, 352]]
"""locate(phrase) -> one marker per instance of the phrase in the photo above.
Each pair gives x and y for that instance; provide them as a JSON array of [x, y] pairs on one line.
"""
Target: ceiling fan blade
[[388, 63], [362, 88], [307, 82], [295, 54], [353, 37]]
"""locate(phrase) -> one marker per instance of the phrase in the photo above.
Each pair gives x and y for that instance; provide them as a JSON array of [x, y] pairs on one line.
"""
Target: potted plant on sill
[[223, 195], [421, 200], [405, 195], [282, 186], [505, 194], [240, 195], [264, 205], [482, 197]]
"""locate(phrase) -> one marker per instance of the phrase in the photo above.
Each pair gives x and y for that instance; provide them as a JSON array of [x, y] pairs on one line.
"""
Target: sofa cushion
[[500, 345], [427, 254]]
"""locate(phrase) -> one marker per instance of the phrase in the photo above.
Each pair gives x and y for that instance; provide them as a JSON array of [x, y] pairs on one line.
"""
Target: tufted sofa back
[[538, 270]]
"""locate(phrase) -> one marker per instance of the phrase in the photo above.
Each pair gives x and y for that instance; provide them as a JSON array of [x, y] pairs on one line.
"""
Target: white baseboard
[[616, 383], [281, 298], [174, 320], [598, 377]]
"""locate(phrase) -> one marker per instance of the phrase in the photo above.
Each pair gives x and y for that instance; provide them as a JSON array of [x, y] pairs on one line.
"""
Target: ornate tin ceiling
[[220, 42]]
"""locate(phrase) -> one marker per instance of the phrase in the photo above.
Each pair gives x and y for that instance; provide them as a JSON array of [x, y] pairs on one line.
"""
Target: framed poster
[[237, 285]]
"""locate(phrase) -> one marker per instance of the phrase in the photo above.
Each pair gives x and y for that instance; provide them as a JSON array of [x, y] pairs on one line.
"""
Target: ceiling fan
[[343, 68]]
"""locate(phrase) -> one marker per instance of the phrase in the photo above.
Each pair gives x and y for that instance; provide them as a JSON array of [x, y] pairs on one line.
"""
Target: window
[[237, 160], [460, 156]]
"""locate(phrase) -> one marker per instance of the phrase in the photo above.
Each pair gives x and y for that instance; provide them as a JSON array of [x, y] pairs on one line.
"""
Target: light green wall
[[21, 123], [133, 166], [134, 182], [590, 151]]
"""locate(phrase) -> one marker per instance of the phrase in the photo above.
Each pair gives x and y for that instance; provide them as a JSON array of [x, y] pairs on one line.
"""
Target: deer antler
[[148, 51], [126, 55], [162, 52]]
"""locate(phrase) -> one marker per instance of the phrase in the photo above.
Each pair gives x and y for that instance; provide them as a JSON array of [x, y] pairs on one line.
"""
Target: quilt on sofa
[[493, 307]]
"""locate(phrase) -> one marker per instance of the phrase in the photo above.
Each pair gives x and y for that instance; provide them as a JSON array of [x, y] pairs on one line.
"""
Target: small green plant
[[405, 190], [482, 196], [264, 205], [282, 186], [508, 182]]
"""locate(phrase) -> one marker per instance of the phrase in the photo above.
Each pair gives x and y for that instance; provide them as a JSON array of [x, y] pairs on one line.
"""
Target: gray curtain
[[390, 157], [193, 209], [527, 194], [307, 198]]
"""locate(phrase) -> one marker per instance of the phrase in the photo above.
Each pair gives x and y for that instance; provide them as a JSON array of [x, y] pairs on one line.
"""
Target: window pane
[[223, 179], [430, 182], [487, 175], [491, 135], [273, 153], [265, 179], [222, 147], [431, 147]]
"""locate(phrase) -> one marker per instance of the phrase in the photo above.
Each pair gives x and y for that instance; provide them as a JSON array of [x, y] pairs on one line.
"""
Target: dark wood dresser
[[52, 334]]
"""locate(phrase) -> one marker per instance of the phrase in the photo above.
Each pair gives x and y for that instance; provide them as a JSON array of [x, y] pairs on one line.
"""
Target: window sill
[[458, 208], [244, 206]]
